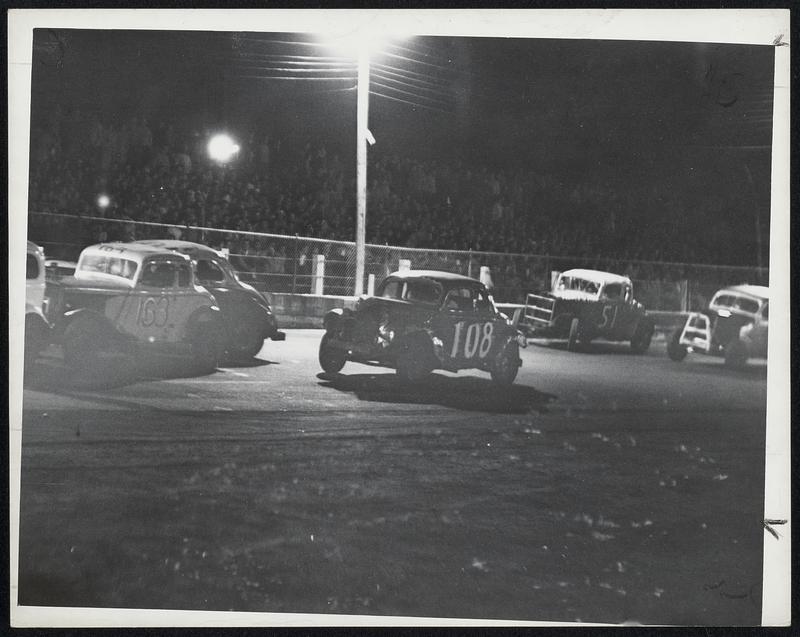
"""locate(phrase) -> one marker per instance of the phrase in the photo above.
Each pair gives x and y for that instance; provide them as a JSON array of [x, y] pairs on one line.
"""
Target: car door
[[158, 308], [467, 327]]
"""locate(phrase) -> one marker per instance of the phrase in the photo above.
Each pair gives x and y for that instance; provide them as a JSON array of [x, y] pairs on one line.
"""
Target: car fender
[[333, 318], [103, 325], [203, 316], [33, 312], [415, 337]]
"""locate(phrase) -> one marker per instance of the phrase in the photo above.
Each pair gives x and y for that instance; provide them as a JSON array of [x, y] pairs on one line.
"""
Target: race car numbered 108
[[422, 320]]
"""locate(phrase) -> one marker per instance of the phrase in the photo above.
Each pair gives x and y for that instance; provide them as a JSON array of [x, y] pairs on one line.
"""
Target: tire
[[331, 359], [506, 365], [413, 361], [642, 336], [83, 342], [675, 350], [736, 354], [574, 335], [207, 343], [247, 339], [37, 337]]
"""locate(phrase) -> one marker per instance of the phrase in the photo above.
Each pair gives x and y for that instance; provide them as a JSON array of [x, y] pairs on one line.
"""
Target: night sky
[[686, 120]]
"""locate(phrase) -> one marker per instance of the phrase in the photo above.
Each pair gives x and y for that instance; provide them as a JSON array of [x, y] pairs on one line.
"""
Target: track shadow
[[467, 393]]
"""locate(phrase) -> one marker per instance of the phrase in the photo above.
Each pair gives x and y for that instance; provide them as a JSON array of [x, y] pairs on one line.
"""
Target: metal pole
[[361, 165]]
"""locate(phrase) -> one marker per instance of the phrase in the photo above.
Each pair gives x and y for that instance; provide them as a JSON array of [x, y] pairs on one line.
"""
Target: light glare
[[222, 148]]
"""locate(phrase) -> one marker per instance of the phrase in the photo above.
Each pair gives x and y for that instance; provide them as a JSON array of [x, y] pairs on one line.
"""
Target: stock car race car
[[37, 326], [588, 304], [124, 297], [421, 320], [246, 312], [735, 326]]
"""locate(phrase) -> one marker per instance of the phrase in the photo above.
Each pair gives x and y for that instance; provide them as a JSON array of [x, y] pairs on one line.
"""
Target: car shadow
[[247, 363], [706, 365], [51, 374], [595, 347], [466, 393]]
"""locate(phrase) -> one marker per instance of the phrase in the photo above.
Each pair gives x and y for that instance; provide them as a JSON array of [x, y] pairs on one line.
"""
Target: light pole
[[362, 132]]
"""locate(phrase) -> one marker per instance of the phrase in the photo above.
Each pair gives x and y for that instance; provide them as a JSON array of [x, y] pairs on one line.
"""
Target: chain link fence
[[280, 263]]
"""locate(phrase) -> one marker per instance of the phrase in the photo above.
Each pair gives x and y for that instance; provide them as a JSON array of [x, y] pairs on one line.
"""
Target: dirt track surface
[[601, 487]]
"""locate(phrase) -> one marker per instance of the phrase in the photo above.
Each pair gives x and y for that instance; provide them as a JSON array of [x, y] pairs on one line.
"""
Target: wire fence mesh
[[280, 263]]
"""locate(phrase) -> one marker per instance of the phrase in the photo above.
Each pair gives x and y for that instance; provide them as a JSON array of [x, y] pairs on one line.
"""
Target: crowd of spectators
[[161, 172]]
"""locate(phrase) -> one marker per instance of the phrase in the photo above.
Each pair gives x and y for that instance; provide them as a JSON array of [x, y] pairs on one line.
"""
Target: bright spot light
[[222, 148], [357, 42], [103, 201]]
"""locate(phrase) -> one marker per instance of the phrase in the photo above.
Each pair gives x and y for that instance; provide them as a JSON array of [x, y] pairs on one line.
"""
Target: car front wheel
[[640, 342], [247, 340], [574, 334], [506, 365], [331, 358], [736, 353], [675, 350]]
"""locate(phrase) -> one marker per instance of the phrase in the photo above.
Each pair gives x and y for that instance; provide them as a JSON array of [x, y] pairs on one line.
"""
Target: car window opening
[[32, 267]]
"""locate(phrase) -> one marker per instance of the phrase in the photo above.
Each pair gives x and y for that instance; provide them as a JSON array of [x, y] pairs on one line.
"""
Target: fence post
[[294, 264], [403, 264], [469, 263], [685, 295], [370, 285], [318, 274]]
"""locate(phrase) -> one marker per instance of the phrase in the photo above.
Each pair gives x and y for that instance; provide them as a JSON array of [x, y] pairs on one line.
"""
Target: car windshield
[[209, 272], [733, 302], [422, 291], [577, 283], [107, 264]]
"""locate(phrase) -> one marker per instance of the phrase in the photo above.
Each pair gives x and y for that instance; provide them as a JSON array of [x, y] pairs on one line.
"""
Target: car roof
[[756, 291], [184, 247], [131, 250], [32, 247], [598, 276], [436, 275]]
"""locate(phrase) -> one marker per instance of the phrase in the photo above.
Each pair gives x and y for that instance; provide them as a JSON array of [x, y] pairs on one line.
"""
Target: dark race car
[[589, 304], [421, 320], [735, 326], [246, 312]]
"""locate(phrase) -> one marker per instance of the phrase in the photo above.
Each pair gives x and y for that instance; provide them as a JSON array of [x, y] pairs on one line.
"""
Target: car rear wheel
[[642, 336], [675, 350], [331, 358], [736, 353], [506, 365], [574, 334], [83, 342], [208, 344], [413, 362]]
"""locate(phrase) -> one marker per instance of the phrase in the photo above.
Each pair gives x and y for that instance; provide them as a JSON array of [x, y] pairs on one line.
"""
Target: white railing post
[[370, 285], [403, 264], [318, 274], [486, 277]]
